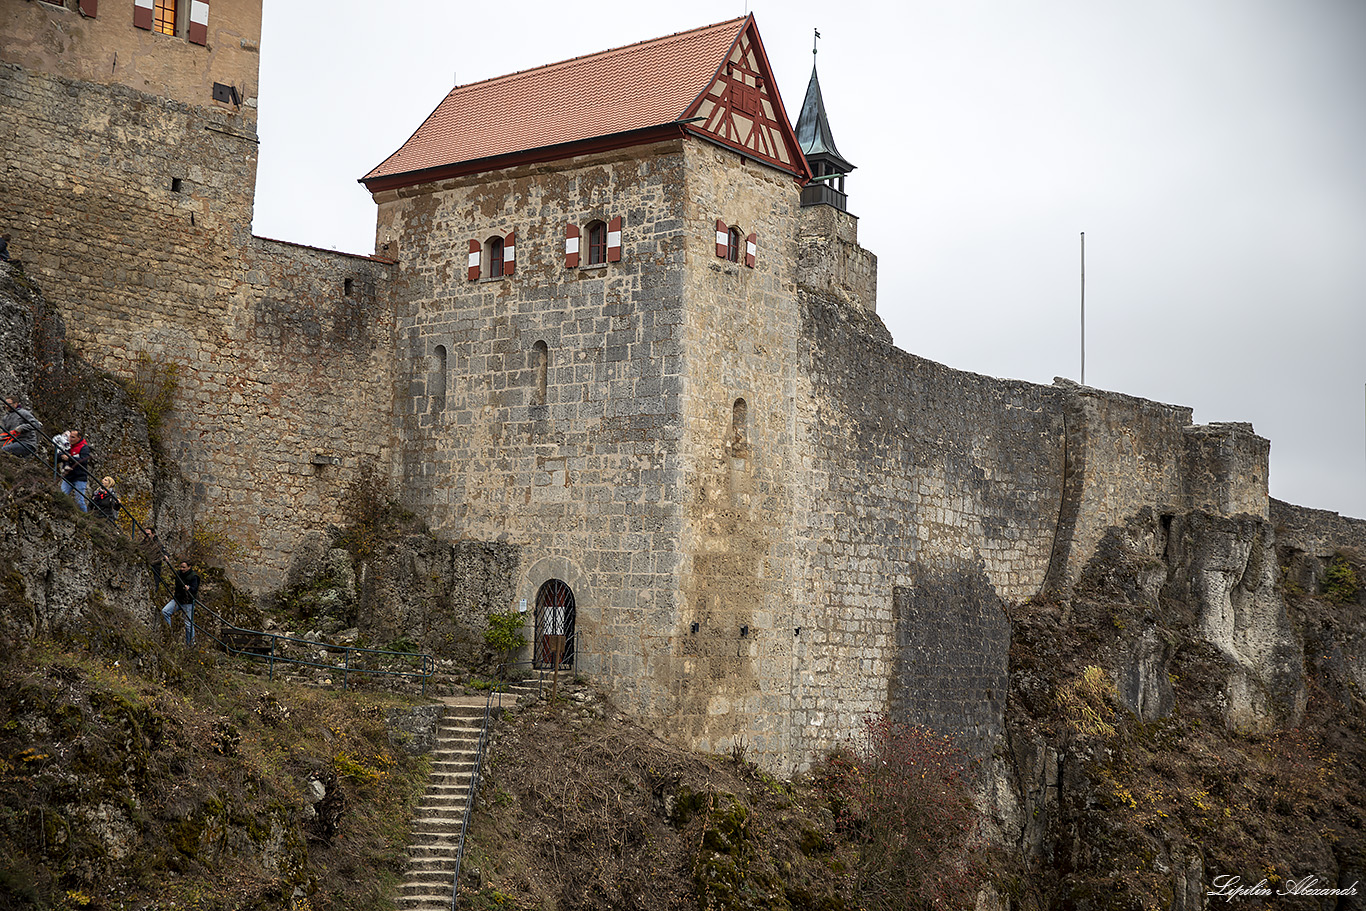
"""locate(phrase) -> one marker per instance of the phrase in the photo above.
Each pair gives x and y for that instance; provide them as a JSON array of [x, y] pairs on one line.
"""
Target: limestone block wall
[[126, 206], [134, 212], [543, 408], [920, 479], [727, 662], [293, 401], [1124, 453], [55, 38], [830, 261], [1318, 532]]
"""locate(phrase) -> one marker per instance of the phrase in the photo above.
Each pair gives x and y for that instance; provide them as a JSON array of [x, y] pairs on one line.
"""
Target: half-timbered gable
[[624, 97], [741, 107]]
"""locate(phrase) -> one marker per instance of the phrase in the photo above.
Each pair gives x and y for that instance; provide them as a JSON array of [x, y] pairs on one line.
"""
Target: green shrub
[[504, 634], [1340, 583]]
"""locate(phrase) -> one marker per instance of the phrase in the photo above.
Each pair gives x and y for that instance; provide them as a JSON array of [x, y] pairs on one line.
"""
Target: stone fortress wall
[[129, 191], [774, 522]]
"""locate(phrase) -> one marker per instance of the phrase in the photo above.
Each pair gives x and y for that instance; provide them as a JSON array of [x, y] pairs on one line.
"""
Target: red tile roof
[[629, 88]]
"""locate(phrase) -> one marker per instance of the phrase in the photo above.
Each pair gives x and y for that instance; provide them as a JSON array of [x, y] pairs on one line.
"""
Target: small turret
[[828, 166]]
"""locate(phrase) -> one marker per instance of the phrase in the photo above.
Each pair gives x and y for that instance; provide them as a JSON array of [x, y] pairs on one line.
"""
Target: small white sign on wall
[[521, 608]]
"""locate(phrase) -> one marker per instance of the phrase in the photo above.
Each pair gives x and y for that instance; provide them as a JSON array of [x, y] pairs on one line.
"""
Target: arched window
[[739, 429], [735, 244], [554, 625], [597, 243], [541, 360], [436, 380], [493, 264]]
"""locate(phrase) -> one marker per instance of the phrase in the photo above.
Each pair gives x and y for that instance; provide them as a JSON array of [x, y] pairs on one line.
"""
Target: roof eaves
[[535, 155]]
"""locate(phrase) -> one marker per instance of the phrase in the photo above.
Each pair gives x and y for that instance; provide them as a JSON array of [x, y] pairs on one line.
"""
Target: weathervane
[[813, 41]]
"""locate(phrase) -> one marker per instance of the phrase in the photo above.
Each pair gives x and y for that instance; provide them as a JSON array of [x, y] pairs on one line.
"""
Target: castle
[[639, 341]]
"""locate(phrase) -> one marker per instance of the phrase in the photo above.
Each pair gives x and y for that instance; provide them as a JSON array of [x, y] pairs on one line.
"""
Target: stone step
[[435, 806], [432, 842], [441, 849], [434, 825], [425, 901], [425, 889], [454, 757], [444, 872]]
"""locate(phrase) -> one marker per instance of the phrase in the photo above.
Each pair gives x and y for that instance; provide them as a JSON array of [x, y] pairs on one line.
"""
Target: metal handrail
[[495, 690], [425, 670]]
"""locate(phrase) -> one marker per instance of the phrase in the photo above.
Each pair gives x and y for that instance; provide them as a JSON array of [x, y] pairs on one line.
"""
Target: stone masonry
[[773, 522]]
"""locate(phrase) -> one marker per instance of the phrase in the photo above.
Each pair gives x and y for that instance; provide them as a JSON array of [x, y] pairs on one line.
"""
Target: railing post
[[271, 677], [346, 674]]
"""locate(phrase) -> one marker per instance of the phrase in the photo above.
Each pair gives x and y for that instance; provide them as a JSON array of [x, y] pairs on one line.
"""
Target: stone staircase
[[435, 840]]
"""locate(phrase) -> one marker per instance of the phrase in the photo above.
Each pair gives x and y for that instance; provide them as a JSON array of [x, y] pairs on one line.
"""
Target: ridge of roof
[[631, 87], [581, 58]]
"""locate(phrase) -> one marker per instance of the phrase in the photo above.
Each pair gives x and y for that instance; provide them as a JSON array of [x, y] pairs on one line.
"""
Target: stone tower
[[595, 328]]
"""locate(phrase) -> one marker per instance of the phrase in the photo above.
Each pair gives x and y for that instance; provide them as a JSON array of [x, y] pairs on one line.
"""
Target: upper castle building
[[617, 315]]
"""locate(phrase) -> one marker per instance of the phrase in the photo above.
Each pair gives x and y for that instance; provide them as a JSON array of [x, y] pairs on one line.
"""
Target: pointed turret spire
[[818, 145]]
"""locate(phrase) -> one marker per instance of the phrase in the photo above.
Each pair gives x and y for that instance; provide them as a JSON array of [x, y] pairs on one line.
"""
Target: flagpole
[[1083, 308]]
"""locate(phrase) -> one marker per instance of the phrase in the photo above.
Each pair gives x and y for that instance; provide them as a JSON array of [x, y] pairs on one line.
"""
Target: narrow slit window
[[541, 359], [739, 429], [436, 382]]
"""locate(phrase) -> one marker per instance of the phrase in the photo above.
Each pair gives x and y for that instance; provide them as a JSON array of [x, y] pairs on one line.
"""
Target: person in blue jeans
[[74, 476], [186, 590]]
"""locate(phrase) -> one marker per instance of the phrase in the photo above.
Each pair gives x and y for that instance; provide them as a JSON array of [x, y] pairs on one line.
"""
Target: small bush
[[1340, 582], [904, 793], [1087, 703], [504, 634], [153, 387]]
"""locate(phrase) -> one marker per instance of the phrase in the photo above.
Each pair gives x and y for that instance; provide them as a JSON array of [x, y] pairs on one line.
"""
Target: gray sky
[[1214, 152]]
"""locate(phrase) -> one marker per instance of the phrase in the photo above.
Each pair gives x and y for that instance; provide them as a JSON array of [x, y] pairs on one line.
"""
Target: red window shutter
[[199, 22], [614, 240], [722, 238], [571, 246], [751, 249], [88, 8], [510, 253], [142, 14], [475, 250]]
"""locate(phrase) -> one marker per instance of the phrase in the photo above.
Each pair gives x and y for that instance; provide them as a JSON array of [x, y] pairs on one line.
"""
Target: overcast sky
[[1213, 152]]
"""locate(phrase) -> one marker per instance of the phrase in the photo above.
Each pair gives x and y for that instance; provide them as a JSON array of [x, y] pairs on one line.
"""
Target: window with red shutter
[[510, 253], [472, 273], [733, 244], [494, 250], [614, 240], [751, 250], [597, 243], [722, 239], [198, 32], [571, 246]]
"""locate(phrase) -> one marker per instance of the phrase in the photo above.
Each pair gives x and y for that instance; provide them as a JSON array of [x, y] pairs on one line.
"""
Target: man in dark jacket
[[20, 430], [186, 590], [74, 475]]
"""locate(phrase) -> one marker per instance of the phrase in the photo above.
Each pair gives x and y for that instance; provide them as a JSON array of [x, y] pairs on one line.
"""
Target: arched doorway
[[554, 625]]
